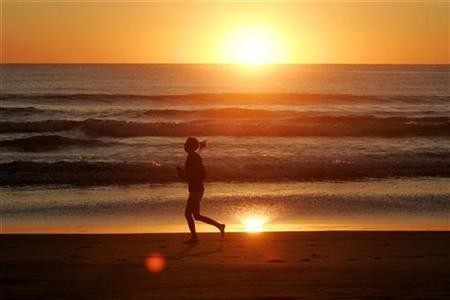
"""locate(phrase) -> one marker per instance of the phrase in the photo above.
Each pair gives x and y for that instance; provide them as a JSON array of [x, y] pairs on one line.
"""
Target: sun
[[253, 46], [254, 224]]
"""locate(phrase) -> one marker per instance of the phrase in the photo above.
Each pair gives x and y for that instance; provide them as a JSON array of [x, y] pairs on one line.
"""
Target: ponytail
[[202, 145], [192, 144]]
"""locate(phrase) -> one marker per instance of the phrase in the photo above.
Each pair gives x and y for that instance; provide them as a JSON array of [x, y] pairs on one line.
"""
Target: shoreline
[[400, 204], [338, 231]]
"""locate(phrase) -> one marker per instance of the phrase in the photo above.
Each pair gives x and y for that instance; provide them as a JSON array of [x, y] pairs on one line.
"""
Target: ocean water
[[93, 148]]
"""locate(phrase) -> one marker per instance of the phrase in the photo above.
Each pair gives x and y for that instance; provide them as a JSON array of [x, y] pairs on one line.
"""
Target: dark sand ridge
[[301, 265]]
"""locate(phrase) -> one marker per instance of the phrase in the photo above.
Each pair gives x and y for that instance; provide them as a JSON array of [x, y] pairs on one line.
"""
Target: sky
[[224, 32]]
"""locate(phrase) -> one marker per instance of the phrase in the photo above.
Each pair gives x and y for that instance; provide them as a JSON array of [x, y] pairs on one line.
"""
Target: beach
[[282, 265]]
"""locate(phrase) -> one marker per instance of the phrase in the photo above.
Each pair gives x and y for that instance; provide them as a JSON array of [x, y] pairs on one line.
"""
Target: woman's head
[[192, 145]]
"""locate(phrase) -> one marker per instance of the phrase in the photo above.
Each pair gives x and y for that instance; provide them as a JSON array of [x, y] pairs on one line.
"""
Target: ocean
[[93, 148]]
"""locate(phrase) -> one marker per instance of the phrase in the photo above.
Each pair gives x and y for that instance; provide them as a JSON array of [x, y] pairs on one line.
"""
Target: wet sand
[[300, 265]]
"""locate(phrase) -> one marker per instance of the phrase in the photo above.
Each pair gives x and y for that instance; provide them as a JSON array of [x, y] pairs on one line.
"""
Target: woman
[[194, 173]]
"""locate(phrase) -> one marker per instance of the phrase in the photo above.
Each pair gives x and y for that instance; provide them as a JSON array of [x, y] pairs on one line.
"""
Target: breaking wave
[[104, 173], [242, 98], [47, 143], [294, 126]]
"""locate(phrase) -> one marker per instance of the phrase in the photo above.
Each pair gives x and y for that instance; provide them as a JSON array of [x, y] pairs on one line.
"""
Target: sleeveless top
[[195, 172]]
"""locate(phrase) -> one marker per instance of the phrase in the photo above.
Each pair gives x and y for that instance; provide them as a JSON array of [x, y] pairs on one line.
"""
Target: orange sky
[[143, 32]]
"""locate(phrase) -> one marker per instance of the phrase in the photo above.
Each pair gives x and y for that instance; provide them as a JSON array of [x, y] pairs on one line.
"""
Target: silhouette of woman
[[194, 173]]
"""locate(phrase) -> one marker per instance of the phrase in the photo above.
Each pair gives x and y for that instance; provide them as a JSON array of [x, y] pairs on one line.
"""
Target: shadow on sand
[[185, 252]]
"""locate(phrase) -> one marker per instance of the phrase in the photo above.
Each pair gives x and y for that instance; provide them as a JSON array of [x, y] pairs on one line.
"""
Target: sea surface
[[93, 148]]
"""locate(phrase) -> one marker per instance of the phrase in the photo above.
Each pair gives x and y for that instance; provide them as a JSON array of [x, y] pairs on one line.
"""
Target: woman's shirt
[[195, 172]]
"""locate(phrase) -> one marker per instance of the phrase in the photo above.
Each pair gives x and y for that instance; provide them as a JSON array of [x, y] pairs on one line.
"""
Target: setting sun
[[254, 224], [253, 46]]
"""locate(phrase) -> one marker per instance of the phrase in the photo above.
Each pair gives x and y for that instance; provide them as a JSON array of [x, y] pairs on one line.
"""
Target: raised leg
[[210, 221], [206, 220]]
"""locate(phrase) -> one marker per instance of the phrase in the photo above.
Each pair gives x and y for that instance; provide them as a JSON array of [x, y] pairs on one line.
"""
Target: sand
[[301, 265]]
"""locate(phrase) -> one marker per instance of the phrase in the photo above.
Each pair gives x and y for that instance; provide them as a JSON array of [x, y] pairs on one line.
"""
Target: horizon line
[[212, 64]]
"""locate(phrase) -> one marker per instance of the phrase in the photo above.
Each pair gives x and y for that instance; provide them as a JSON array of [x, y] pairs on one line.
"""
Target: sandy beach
[[296, 265]]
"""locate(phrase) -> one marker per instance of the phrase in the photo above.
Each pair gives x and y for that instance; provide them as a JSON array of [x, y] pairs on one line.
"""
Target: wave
[[21, 110], [47, 143], [251, 113], [107, 173], [221, 113], [41, 114], [297, 126], [236, 98]]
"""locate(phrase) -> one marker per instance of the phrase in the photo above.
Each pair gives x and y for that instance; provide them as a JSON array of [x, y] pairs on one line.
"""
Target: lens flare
[[155, 262]]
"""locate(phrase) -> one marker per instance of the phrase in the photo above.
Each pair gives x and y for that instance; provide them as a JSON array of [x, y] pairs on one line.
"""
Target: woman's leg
[[188, 214], [199, 217], [206, 220]]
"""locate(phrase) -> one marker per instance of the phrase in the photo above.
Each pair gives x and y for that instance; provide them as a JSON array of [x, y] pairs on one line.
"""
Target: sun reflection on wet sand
[[254, 224]]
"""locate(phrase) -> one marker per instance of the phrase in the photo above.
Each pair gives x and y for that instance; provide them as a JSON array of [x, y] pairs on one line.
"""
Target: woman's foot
[[222, 230], [191, 241]]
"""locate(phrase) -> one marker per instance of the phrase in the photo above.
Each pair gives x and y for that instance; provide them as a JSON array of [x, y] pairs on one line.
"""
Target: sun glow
[[253, 46], [254, 224]]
